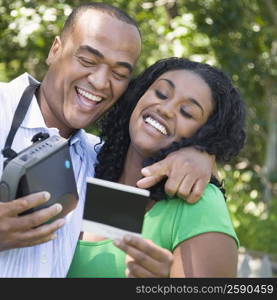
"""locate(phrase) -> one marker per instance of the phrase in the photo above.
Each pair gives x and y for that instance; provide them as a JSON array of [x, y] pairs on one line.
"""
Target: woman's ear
[[54, 52]]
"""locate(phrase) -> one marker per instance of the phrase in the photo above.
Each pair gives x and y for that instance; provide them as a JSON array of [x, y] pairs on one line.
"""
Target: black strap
[[19, 116]]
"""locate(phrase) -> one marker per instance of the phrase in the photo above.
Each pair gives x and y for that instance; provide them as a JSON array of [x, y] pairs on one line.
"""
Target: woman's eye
[[160, 95], [186, 114]]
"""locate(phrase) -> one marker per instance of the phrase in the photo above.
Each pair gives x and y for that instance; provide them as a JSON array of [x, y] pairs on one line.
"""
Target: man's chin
[[82, 124]]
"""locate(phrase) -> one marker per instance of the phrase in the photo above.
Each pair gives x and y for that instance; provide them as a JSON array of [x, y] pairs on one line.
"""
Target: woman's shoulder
[[212, 198], [209, 214], [210, 209], [179, 220]]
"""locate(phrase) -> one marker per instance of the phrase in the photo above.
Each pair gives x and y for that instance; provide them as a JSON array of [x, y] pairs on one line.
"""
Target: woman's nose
[[167, 108]]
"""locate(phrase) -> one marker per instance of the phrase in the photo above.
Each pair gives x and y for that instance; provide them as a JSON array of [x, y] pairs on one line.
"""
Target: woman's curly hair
[[222, 135]]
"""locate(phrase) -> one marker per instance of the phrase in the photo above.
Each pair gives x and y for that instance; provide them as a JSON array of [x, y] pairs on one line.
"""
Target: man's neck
[[49, 118]]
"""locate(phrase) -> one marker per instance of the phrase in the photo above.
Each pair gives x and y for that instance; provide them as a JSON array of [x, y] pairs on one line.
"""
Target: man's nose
[[99, 78]]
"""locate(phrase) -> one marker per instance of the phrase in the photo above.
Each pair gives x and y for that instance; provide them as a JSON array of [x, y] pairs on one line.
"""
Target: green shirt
[[167, 223]]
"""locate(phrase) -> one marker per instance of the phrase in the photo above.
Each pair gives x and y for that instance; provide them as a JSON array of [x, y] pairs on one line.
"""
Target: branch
[[272, 10]]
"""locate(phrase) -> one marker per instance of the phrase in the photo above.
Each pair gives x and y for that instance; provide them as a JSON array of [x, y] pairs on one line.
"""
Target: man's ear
[[54, 51]]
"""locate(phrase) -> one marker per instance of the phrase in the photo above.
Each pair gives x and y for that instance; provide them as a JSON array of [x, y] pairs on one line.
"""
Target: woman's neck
[[132, 171], [132, 168]]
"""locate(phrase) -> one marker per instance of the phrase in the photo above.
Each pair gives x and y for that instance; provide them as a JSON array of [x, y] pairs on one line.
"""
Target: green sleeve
[[209, 214]]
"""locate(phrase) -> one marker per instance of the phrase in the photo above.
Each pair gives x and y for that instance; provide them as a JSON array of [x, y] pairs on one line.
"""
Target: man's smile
[[88, 95]]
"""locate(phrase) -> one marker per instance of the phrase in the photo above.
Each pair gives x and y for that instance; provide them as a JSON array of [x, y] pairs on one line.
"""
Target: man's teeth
[[89, 96], [156, 125]]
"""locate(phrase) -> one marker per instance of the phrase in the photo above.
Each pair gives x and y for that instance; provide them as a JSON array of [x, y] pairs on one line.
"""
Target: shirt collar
[[78, 141], [78, 136]]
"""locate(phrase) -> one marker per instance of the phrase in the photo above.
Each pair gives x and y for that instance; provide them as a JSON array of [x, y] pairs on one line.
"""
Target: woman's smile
[[155, 122]]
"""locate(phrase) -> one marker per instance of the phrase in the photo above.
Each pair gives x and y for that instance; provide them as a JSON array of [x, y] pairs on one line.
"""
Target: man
[[90, 65]]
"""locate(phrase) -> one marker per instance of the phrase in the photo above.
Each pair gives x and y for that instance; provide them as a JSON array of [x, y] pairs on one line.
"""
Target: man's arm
[[188, 170], [24, 231]]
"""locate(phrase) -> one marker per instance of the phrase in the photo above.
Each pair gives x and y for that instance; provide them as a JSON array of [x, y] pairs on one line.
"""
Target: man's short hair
[[103, 7]]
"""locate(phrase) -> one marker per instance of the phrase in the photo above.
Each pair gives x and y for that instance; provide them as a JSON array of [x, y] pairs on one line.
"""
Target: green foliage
[[237, 36], [254, 221]]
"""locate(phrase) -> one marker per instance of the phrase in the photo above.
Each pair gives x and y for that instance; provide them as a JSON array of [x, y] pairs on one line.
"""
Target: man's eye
[[160, 95], [120, 76], [86, 62]]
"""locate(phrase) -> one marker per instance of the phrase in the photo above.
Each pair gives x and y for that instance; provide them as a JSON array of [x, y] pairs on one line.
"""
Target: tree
[[237, 36]]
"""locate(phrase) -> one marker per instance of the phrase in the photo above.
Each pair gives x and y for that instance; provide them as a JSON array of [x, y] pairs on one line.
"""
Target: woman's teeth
[[89, 95], [156, 125]]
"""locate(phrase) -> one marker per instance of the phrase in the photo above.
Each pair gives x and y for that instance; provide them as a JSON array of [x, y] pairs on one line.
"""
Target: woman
[[172, 104]]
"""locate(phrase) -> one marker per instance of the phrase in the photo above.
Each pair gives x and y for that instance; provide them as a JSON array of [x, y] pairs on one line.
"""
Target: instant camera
[[44, 166]]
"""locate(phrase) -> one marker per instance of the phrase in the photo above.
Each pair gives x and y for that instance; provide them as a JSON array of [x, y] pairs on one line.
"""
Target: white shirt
[[51, 259]]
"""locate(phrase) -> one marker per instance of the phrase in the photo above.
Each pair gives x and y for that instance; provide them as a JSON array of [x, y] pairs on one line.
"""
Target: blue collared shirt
[[51, 259]]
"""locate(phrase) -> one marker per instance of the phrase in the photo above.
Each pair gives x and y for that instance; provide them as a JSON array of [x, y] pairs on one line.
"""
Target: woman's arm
[[210, 254]]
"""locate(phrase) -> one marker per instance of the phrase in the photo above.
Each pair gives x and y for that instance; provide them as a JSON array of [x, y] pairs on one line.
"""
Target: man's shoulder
[[10, 92], [18, 82]]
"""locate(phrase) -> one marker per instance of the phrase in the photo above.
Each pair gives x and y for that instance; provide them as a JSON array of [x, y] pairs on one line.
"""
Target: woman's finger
[[148, 247], [146, 254], [137, 271]]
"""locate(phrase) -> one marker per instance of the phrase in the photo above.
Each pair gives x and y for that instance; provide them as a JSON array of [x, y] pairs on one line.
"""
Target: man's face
[[88, 70]]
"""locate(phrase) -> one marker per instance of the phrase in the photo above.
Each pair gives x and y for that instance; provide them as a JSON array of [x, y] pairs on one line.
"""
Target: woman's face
[[176, 105]]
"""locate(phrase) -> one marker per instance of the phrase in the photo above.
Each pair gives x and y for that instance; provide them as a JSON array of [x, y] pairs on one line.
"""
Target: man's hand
[[188, 171], [23, 231], [144, 258]]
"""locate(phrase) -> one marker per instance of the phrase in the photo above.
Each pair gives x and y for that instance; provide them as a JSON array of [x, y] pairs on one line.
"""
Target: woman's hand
[[144, 258]]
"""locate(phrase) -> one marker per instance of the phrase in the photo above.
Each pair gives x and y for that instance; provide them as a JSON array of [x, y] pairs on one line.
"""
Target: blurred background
[[238, 36]]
